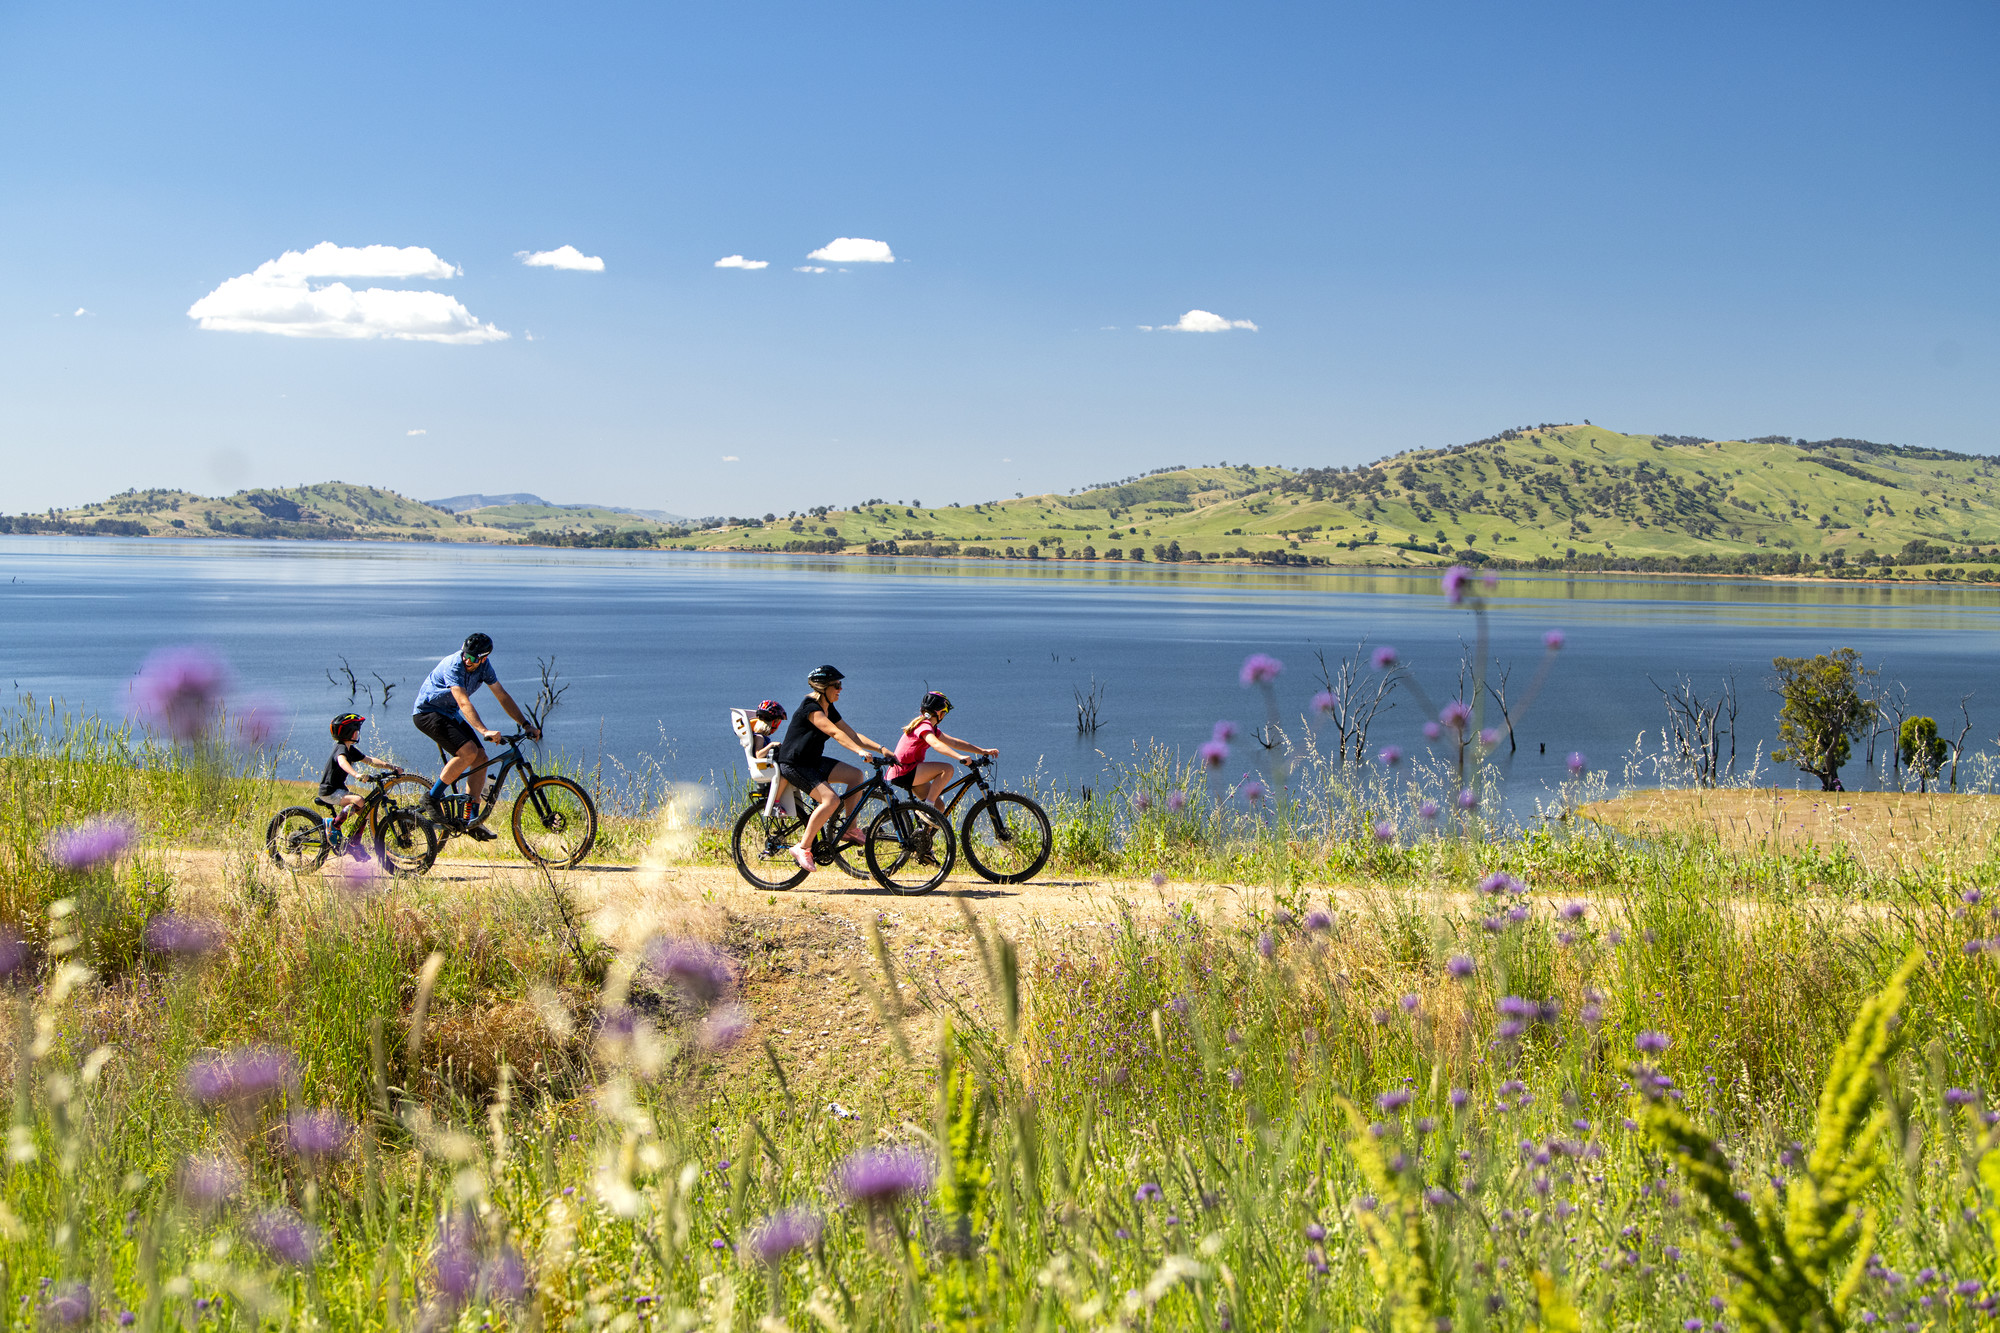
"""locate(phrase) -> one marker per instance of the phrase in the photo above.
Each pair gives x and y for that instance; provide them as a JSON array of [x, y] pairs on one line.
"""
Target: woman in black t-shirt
[[803, 762]]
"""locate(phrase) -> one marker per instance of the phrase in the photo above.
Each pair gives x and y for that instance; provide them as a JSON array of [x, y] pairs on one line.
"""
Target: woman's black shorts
[[805, 779], [449, 732]]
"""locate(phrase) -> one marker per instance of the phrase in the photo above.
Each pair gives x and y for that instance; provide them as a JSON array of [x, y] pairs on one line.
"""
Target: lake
[[656, 647]]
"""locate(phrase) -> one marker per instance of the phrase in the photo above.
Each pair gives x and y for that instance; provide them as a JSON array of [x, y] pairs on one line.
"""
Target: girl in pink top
[[921, 779]]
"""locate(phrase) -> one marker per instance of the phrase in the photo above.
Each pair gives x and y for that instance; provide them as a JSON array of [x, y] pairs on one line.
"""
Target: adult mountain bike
[[554, 820], [1005, 835], [908, 846], [405, 842]]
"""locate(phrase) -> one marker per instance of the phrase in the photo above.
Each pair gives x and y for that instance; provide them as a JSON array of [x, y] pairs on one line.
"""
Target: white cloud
[[419, 431], [564, 257], [854, 250], [276, 298], [738, 261], [731, 458], [1203, 321], [808, 268], [80, 313]]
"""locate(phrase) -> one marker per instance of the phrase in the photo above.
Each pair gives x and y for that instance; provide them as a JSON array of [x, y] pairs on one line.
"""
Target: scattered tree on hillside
[[1823, 712]]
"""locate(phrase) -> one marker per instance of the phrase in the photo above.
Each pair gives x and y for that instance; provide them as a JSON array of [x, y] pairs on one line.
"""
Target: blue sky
[[1442, 219]]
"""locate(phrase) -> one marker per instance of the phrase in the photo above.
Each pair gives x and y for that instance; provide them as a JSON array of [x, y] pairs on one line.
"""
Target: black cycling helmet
[[477, 644], [935, 702], [824, 675], [346, 727]]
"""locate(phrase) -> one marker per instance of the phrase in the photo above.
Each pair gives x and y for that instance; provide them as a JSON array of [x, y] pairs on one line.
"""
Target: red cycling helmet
[[346, 727], [771, 711]]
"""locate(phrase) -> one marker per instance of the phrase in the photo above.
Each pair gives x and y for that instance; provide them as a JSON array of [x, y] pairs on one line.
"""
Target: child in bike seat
[[764, 727], [924, 780], [339, 768]]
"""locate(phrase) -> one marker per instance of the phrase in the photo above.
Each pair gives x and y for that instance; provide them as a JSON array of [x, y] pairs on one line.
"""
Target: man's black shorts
[[449, 732], [805, 779]]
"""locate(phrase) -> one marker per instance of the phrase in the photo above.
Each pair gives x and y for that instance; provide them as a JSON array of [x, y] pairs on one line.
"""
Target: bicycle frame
[[509, 759], [954, 793]]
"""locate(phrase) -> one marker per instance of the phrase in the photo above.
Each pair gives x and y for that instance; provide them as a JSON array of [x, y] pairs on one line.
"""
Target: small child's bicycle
[[1005, 835], [300, 840]]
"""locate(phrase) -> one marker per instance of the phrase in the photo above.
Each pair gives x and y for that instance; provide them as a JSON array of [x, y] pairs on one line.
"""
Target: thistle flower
[[13, 953], [1959, 1097], [1428, 810], [1214, 754], [1432, 731], [1325, 701], [1468, 800], [1385, 832], [1147, 1193], [71, 1304], [1501, 884], [285, 1236], [1460, 966], [455, 1258], [506, 1276], [1141, 802], [1390, 755], [184, 936], [1455, 714], [1266, 946], [1260, 669], [209, 1182], [702, 970], [1573, 911], [1315, 1232], [786, 1232], [1176, 802], [1253, 791], [1222, 732], [1395, 1100], [1383, 658], [90, 843], [1454, 583], [1458, 1098], [318, 1133], [1652, 1043], [259, 724], [1159, 879], [882, 1175], [1490, 578], [1317, 920], [1577, 763], [248, 1073], [180, 691], [723, 1028], [1489, 736], [1554, 640], [1410, 1003]]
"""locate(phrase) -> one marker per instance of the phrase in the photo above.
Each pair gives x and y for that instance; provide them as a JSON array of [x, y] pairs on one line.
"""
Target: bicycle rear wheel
[[555, 824], [297, 839], [910, 848], [1006, 837], [406, 843], [762, 848], [852, 857]]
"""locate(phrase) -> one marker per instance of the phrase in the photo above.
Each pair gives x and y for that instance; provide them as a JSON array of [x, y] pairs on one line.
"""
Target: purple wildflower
[[881, 1175], [1325, 701], [1176, 801], [455, 1258], [1518, 913], [1652, 1043], [1554, 640], [1222, 732], [1500, 883], [1391, 755], [723, 1028], [1455, 714], [1315, 1232], [1317, 920], [247, 1073], [71, 1303], [1573, 911], [1959, 1097], [1458, 1098], [259, 724], [1141, 802], [13, 953], [1383, 658], [1972, 897], [1577, 763], [1236, 1078], [180, 690], [210, 1182], [1214, 754], [1432, 731], [786, 1232], [318, 1133], [1395, 1100], [1253, 791], [1468, 799], [1489, 736], [1460, 966], [1410, 1003], [1455, 580], [1385, 832], [506, 1276], [1159, 879], [187, 936], [1260, 669], [702, 970], [89, 844], [1147, 1193], [285, 1236], [1266, 946], [1428, 810]]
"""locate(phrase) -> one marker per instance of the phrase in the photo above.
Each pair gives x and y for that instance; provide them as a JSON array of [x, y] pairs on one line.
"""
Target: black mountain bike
[[908, 845], [404, 841], [554, 823], [1005, 835]]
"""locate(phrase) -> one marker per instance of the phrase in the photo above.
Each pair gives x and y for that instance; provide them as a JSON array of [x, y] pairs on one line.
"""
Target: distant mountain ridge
[[465, 504]]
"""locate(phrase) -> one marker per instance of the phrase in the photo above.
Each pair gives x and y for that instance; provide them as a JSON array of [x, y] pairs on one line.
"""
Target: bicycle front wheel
[[406, 844], [1006, 838], [555, 824], [762, 848], [910, 848], [297, 839]]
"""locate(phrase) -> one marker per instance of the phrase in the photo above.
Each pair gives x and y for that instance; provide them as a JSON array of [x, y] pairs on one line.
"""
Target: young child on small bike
[[339, 768], [926, 780], [764, 726]]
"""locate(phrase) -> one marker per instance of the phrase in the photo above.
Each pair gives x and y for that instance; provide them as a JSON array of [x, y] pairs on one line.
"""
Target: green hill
[[331, 509]]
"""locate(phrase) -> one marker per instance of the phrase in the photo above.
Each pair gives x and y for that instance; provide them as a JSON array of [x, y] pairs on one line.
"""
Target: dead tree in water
[[549, 694], [1695, 727], [358, 688], [1354, 695], [1086, 707]]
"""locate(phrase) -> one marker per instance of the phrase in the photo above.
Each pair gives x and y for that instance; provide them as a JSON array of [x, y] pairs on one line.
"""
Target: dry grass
[[1896, 827]]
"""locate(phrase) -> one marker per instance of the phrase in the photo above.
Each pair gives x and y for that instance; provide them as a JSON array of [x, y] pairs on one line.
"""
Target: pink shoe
[[804, 856]]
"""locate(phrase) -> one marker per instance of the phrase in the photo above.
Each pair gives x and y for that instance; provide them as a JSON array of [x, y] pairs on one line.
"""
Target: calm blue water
[[656, 648]]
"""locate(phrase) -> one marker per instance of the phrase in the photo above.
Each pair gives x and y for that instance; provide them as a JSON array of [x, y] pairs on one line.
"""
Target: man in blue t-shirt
[[444, 712]]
